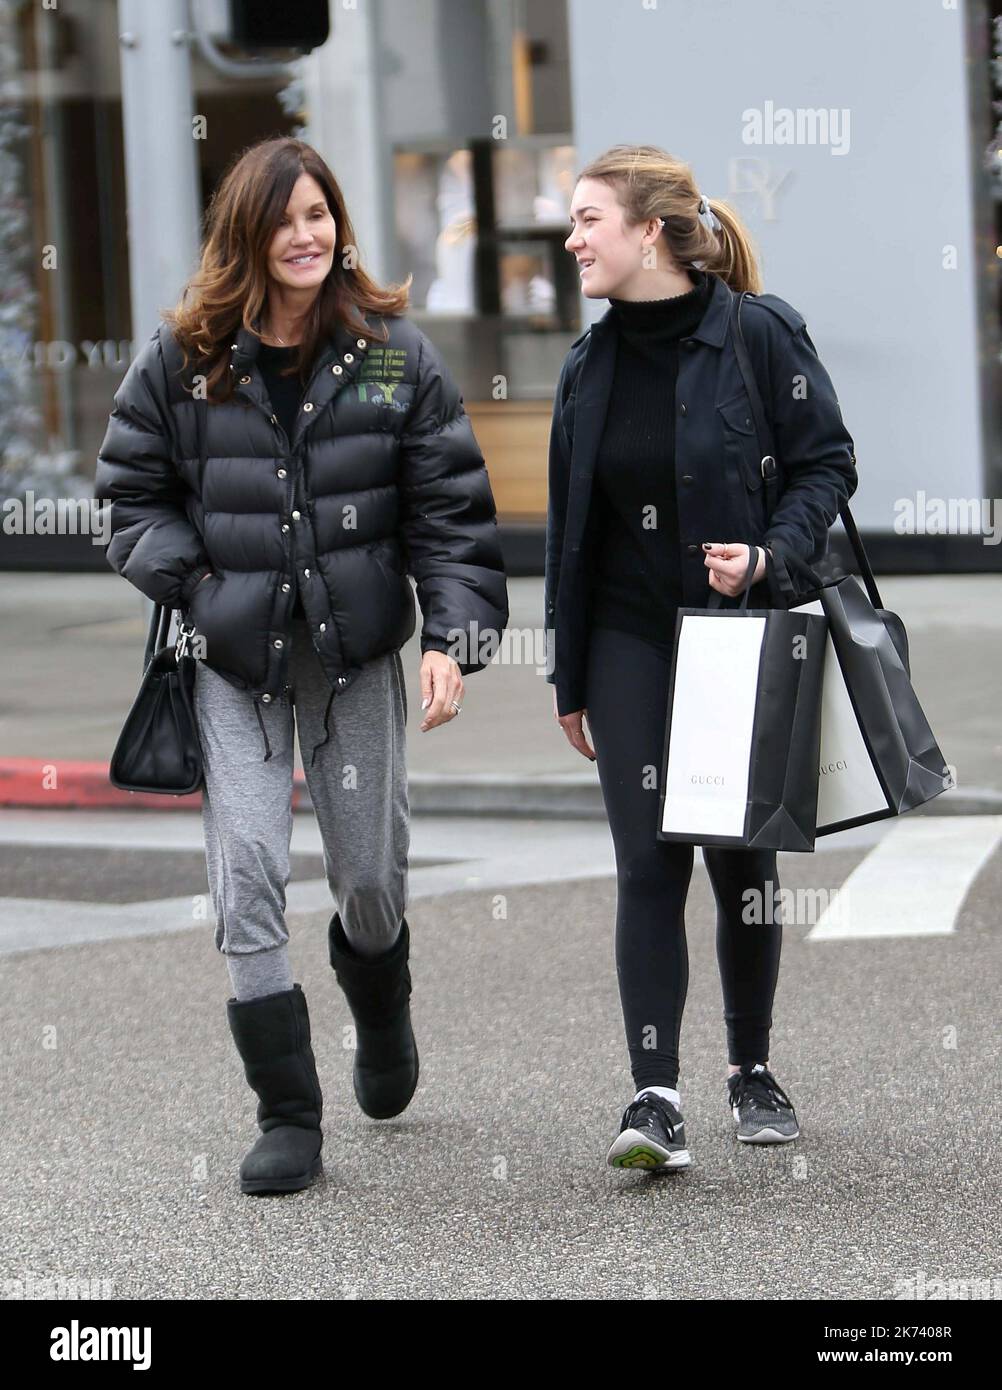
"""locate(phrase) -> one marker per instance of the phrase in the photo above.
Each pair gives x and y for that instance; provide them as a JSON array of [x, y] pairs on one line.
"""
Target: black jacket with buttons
[[718, 476], [382, 478]]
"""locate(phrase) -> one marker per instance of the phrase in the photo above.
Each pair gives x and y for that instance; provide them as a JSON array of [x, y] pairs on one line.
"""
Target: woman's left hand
[[727, 562], [441, 684]]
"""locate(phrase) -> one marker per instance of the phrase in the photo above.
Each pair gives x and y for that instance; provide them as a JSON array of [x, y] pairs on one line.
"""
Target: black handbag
[[158, 749], [892, 762]]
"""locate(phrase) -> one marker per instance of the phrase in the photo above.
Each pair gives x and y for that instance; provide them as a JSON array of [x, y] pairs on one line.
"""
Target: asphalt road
[[126, 1113]]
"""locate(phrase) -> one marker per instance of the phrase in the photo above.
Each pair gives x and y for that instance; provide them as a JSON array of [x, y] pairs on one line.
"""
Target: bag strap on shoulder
[[764, 434]]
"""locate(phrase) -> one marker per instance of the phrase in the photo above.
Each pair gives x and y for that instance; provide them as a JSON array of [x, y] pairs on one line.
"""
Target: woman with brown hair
[[655, 499], [283, 452]]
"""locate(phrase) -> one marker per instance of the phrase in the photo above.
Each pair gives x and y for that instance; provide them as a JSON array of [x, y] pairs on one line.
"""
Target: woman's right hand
[[573, 728]]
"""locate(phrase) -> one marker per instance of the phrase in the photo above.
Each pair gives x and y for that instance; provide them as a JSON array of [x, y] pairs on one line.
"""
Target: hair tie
[[706, 214]]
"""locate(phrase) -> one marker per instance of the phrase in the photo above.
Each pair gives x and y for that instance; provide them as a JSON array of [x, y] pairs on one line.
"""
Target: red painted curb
[[61, 783]]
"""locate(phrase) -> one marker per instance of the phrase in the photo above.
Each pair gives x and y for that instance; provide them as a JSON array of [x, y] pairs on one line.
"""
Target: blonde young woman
[[282, 509], [655, 499]]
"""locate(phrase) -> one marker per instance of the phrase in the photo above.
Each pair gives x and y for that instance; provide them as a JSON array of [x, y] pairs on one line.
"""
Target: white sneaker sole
[[631, 1149], [765, 1135]]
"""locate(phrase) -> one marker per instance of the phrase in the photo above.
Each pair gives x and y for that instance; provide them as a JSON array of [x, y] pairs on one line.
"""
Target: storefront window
[[65, 308]]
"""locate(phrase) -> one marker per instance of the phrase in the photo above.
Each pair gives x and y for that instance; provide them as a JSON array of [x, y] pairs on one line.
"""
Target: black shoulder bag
[[870, 646], [763, 433], [158, 749]]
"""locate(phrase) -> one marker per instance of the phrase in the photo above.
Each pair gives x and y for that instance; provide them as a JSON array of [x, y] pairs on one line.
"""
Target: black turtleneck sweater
[[637, 582], [285, 393]]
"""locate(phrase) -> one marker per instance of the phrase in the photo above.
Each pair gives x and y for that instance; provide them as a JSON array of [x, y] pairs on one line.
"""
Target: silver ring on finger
[[457, 708]]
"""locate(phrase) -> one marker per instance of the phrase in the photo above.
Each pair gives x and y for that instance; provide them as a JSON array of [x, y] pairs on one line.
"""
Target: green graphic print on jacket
[[381, 372]]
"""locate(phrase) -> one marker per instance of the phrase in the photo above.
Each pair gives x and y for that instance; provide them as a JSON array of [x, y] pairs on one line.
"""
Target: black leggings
[[627, 698]]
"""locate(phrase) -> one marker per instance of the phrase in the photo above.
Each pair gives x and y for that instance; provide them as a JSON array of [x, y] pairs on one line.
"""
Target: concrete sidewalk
[[73, 649]]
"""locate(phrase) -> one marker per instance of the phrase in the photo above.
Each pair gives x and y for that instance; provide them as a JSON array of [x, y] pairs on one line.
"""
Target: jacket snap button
[[285, 526], [308, 405], [349, 357], [286, 588], [266, 699], [274, 419], [281, 473], [295, 516], [691, 549], [306, 573], [323, 627], [687, 477], [244, 380], [278, 642], [360, 342], [683, 409], [689, 343], [342, 680], [337, 369]]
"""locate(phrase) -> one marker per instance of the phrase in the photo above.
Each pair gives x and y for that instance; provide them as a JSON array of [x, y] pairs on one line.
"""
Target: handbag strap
[[159, 628], [763, 433], [768, 463], [159, 632]]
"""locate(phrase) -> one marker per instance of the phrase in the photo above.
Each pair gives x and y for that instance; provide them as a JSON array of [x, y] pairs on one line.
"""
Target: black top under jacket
[[637, 581]]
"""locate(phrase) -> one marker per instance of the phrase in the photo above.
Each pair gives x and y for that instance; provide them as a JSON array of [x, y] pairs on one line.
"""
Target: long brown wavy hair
[[230, 287], [649, 182]]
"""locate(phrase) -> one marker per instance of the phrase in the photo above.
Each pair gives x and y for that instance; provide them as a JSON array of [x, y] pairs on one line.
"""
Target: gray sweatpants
[[358, 786]]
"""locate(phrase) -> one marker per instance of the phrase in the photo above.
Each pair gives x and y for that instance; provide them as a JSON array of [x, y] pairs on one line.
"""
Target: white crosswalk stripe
[[914, 881]]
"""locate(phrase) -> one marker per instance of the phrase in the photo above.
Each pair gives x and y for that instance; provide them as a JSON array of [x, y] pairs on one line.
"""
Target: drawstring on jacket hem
[[264, 731], [327, 732]]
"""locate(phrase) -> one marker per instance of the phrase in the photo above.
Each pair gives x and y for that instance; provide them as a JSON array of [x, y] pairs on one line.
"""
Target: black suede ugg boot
[[272, 1035], [385, 1074]]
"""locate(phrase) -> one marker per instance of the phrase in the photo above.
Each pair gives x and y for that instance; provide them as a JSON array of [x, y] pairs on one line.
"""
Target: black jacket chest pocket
[[740, 438]]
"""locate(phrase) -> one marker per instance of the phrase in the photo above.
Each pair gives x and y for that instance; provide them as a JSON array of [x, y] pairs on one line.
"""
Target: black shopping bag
[[879, 757]]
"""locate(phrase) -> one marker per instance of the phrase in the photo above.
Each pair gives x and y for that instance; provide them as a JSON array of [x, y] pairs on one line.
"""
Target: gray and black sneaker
[[761, 1110], [652, 1135]]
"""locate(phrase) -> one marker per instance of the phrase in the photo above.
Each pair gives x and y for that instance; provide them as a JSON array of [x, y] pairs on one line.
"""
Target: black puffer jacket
[[382, 478]]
